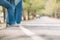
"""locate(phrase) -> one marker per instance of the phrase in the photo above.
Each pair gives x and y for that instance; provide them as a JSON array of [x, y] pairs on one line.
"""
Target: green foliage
[[34, 5], [58, 0]]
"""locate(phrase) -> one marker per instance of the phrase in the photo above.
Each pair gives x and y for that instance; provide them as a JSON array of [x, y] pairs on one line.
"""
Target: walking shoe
[[13, 25]]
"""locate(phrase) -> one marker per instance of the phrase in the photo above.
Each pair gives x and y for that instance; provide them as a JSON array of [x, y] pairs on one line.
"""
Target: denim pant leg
[[10, 11], [5, 4], [18, 12], [11, 15]]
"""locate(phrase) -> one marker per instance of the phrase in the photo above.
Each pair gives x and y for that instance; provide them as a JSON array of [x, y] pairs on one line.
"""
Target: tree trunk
[[28, 14]]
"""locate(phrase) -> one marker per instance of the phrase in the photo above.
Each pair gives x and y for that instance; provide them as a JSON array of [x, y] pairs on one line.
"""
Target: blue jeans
[[10, 10], [18, 12], [17, 15]]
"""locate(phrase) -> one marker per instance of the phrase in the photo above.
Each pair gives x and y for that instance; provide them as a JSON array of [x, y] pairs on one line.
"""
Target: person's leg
[[10, 11], [11, 21], [18, 12], [5, 4]]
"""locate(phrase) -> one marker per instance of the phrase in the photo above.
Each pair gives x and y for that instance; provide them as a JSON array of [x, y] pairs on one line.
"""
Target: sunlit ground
[[38, 29]]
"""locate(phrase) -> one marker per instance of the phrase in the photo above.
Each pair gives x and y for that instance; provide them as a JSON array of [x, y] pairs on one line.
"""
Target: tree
[[33, 6]]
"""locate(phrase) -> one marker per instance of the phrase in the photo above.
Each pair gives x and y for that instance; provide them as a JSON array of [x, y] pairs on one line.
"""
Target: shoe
[[13, 25]]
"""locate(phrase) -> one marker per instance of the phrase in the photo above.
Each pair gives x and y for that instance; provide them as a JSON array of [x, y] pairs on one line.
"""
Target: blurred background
[[34, 8]]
